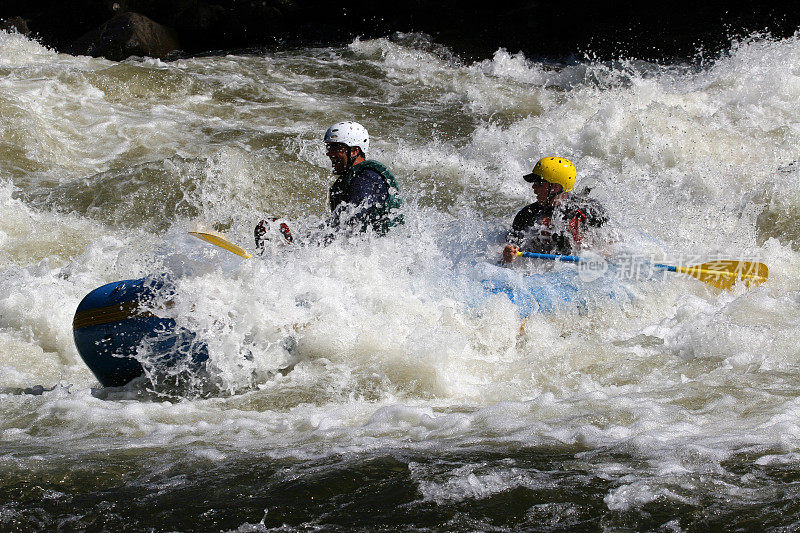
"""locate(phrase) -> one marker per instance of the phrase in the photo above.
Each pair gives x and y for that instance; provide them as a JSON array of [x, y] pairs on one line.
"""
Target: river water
[[416, 402]]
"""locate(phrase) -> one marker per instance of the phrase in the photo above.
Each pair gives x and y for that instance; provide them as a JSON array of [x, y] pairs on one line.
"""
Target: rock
[[125, 35], [17, 24]]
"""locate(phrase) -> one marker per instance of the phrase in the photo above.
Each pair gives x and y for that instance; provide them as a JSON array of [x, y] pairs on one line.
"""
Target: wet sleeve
[[522, 223]]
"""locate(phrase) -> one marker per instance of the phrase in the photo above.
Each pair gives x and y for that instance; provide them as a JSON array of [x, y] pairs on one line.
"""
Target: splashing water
[[415, 400]]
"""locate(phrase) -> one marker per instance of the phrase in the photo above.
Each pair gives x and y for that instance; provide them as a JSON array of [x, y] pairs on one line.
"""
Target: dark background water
[[556, 30], [558, 489]]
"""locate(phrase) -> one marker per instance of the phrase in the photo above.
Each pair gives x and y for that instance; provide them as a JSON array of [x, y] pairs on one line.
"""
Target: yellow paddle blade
[[723, 274], [218, 240]]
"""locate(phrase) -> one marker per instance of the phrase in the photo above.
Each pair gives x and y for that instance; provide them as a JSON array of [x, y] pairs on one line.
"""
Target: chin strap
[[550, 194], [350, 159]]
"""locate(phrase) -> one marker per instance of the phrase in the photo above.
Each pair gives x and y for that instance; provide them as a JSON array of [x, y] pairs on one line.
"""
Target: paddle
[[722, 274], [218, 240]]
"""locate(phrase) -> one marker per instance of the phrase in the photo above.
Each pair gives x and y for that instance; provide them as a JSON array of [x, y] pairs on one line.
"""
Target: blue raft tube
[[117, 333]]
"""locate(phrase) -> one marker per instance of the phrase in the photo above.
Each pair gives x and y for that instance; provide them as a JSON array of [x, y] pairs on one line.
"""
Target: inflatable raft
[[555, 291], [116, 329], [120, 335]]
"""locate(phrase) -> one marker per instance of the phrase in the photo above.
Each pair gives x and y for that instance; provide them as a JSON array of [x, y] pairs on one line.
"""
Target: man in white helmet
[[365, 193]]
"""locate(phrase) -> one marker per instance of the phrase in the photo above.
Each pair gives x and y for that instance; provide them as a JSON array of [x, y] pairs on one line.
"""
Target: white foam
[[394, 340], [16, 50]]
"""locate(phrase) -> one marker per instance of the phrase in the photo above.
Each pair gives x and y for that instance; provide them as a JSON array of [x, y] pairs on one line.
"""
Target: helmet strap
[[350, 157], [553, 195], [550, 194]]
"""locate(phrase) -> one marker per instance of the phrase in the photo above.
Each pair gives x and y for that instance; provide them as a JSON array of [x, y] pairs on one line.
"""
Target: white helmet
[[349, 133]]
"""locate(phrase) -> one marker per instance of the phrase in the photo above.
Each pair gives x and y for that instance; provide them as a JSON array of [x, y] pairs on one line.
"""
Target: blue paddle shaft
[[568, 258], [666, 267], [574, 259]]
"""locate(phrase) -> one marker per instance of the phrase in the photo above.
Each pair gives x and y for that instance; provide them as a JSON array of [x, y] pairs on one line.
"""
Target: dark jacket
[[556, 229]]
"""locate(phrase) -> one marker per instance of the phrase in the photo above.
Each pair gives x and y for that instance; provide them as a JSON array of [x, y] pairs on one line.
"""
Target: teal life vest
[[381, 216]]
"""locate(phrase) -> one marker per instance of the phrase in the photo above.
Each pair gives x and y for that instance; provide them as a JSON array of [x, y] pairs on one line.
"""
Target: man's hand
[[260, 233], [268, 228], [510, 253]]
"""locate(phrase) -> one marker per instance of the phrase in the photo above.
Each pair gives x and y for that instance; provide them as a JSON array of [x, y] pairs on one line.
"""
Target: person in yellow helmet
[[556, 222]]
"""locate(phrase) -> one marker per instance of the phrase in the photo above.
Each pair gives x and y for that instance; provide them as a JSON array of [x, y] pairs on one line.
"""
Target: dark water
[[544, 489]]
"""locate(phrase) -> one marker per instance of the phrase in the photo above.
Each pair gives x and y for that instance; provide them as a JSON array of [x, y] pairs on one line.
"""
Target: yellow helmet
[[554, 170]]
